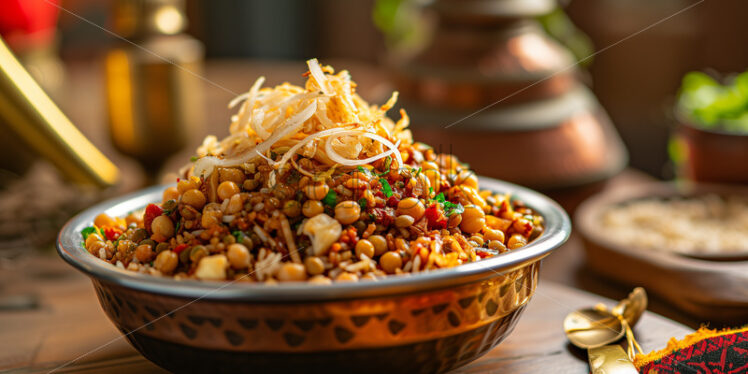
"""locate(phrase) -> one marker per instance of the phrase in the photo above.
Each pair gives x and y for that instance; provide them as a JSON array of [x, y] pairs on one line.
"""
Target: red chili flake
[[392, 201], [178, 249], [435, 216], [112, 233], [151, 212], [383, 216]]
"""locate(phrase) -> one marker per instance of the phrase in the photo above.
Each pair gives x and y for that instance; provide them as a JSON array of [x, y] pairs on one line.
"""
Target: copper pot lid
[[493, 8], [534, 115]]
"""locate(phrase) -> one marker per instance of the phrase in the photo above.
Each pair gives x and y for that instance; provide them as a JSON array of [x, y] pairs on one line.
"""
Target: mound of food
[[313, 183]]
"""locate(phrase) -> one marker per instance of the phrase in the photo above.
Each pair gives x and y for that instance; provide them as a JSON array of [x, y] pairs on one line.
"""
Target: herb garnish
[[450, 208], [386, 188], [330, 199], [92, 230], [362, 203]]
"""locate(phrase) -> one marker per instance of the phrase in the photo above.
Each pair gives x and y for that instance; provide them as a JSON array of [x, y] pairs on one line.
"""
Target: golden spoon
[[594, 328]]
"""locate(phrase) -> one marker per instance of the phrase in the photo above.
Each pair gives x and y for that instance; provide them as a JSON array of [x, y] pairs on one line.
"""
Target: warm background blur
[[635, 81]]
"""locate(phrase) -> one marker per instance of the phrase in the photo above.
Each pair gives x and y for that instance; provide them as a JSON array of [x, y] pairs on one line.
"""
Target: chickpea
[[346, 277], [210, 219], [166, 262], [227, 189], [447, 162], [144, 253], [516, 241], [133, 218], [94, 247], [236, 203], [492, 234], [497, 246], [523, 226], [314, 266], [356, 184], [365, 248], [125, 246], [162, 227], [231, 174], [171, 193], [379, 243], [434, 178], [404, 221], [291, 208], [291, 272], [194, 198], [454, 220], [186, 184], [316, 191], [477, 239], [250, 184], [473, 219], [103, 220], [320, 279], [391, 261], [429, 165], [467, 178], [196, 253], [312, 207], [211, 216], [347, 212], [411, 207], [369, 196], [238, 256], [93, 238]]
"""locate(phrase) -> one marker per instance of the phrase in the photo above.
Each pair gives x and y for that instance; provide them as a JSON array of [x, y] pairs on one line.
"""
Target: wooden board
[[49, 316]]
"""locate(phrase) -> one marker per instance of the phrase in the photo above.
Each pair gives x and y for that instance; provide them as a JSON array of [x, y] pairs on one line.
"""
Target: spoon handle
[[610, 359]]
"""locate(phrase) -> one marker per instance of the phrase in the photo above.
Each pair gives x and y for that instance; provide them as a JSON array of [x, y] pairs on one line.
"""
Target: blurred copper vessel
[[494, 89], [421, 323], [714, 156]]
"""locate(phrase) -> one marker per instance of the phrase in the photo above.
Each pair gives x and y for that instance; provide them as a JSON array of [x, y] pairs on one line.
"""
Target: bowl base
[[437, 355]]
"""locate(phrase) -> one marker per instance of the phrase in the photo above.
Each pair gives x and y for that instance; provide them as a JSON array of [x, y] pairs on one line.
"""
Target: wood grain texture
[[68, 324]]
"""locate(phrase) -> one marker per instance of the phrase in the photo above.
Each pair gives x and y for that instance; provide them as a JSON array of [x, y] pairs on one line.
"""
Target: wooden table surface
[[58, 319]]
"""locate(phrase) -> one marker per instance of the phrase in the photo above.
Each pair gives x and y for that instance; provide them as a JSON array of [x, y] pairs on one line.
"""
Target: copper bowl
[[428, 322]]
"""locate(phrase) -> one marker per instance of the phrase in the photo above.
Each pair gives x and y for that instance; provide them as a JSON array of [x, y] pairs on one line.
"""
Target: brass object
[[592, 328], [426, 322], [610, 359], [31, 114], [595, 328], [632, 307], [153, 90], [492, 82]]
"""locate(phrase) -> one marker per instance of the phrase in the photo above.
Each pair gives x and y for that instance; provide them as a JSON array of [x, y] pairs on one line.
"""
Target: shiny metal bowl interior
[[424, 322]]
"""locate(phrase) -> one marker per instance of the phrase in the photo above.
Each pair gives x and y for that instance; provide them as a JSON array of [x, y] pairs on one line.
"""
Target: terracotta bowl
[[715, 156], [429, 322], [710, 287]]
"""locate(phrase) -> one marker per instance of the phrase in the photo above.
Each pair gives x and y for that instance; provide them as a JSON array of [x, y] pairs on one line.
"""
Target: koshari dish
[[313, 183]]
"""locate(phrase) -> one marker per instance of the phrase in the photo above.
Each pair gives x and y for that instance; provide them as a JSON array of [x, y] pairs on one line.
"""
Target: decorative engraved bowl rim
[[70, 248]]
